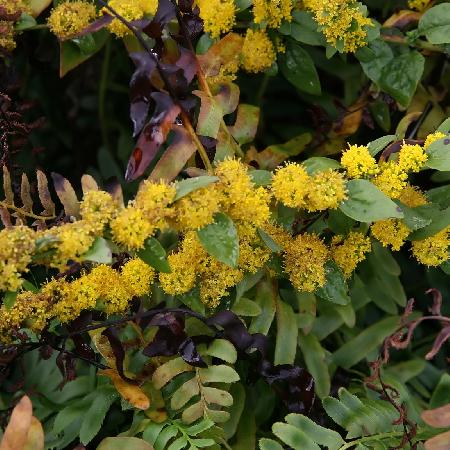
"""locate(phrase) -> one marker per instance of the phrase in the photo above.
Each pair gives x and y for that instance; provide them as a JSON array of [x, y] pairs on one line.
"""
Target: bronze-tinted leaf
[[44, 193], [175, 157], [246, 124], [88, 183], [402, 19], [221, 53], [439, 442], [7, 187], [66, 194]]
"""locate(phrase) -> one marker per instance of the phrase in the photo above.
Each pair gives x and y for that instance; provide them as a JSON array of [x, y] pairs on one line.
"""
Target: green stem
[[262, 89], [40, 26], [371, 438], [225, 444], [102, 94]]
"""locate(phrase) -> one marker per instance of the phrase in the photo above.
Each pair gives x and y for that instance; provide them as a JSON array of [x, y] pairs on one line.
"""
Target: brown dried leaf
[[438, 417], [88, 183], [7, 187], [66, 195], [440, 340], [402, 19], [44, 194], [16, 433], [115, 189], [131, 393], [25, 194]]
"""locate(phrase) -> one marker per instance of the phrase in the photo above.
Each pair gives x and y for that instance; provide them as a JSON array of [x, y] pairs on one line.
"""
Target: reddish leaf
[[438, 417], [440, 340], [246, 124], [152, 136], [439, 442], [175, 157]]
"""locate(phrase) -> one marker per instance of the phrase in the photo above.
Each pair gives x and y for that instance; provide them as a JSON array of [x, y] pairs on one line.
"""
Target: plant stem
[[102, 94], [5, 205], [371, 438]]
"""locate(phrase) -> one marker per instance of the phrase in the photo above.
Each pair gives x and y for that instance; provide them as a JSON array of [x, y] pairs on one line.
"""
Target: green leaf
[[322, 436], [381, 113], [298, 68], [419, 217], [335, 289], [220, 239], [439, 154], [293, 437], [374, 57], [319, 164], [366, 203], [269, 444], [25, 21], [265, 297], [222, 349], [246, 307], [270, 243], [400, 77], [124, 443], [105, 396], [287, 331], [154, 255], [237, 391], [100, 252], [9, 299], [315, 359], [361, 345], [435, 24], [261, 177], [71, 55], [304, 29], [440, 195], [379, 144], [218, 374], [444, 127], [441, 393], [440, 221]]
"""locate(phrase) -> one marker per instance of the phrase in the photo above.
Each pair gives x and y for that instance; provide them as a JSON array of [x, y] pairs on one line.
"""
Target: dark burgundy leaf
[[165, 343], [153, 135], [112, 333], [66, 365], [140, 89], [188, 351], [164, 14], [82, 348], [188, 63]]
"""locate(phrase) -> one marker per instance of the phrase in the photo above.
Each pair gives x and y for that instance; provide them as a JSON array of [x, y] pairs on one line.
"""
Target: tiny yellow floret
[[327, 190], [218, 16], [290, 185]]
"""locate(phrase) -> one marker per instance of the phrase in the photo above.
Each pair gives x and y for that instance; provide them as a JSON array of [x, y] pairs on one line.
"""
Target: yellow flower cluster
[[70, 17], [341, 21], [305, 262], [433, 138], [292, 186], [418, 5], [393, 232], [393, 175], [272, 12], [348, 252], [144, 215], [130, 10], [258, 51], [16, 247], [7, 41], [358, 162], [14, 7], [191, 265], [433, 251], [102, 288], [218, 16]]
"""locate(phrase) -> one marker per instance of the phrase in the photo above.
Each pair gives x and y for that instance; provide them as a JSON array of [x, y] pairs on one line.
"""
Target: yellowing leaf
[[131, 393]]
